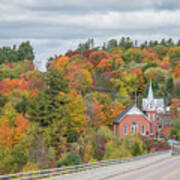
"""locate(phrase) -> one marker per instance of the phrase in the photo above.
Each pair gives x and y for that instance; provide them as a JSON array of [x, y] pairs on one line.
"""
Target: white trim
[[134, 127], [146, 117], [134, 110]]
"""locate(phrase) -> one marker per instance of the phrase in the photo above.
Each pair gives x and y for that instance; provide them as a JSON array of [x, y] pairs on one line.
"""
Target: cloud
[[56, 26]]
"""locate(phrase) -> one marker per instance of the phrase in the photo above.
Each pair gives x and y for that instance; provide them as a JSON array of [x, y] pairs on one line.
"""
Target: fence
[[72, 169]]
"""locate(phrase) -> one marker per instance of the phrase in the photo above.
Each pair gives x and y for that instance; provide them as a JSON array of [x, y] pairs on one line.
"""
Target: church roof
[[119, 117], [131, 110]]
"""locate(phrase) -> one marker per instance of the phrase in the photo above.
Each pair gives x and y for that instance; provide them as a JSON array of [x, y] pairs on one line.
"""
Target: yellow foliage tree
[[8, 115], [75, 119], [80, 80], [61, 62], [115, 151]]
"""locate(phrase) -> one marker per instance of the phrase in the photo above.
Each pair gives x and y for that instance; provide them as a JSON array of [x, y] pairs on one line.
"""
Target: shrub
[[115, 151], [134, 143], [29, 166], [69, 159]]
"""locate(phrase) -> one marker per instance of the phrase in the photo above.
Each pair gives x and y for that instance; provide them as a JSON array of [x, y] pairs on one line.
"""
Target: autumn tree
[[61, 62], [174, 54], [177, 71], [80, 80], [97, 56], [75, 119]]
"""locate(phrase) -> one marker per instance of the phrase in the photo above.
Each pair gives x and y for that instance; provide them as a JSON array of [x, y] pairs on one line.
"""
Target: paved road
[[166, 170], [160, 165]]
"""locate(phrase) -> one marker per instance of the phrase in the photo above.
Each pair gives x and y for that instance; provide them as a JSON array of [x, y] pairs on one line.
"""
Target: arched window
[[143, 129], [151, 130], [134, 127], [125, 129]]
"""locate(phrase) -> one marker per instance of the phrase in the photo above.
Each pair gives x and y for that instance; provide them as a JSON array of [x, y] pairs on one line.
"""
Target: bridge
[[160, 165]]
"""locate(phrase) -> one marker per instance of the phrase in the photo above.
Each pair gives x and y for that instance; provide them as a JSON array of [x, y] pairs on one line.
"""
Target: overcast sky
[[54, 26]]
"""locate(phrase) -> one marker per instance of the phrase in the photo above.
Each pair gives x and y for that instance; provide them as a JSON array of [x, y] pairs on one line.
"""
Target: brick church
[[143, 122]]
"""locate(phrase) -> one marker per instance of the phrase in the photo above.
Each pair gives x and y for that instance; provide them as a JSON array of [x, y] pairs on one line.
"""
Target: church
[[143, 122]]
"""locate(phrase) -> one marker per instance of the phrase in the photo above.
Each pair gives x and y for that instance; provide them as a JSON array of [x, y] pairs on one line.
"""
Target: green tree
[[48, 108], [176, 128], [126, 43], [3, 100], [111, 44], [22, 106], [55, 81], [69, 159], [177, 89], [174, 54], [25, 51], [12, 160]]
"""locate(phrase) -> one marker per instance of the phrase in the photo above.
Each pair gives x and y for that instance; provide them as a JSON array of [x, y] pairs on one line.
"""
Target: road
[[160, 167], [166, 170]]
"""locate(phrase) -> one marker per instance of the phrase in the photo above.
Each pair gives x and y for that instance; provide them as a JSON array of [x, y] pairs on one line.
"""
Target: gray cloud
[[56, 26]]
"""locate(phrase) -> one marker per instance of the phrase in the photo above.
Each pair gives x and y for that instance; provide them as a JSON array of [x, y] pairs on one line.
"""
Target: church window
[[134, 127], [143, 129], [151, 130], [125, 129]]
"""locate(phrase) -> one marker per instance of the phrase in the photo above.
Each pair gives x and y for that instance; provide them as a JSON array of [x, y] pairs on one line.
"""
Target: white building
[[152, 104]]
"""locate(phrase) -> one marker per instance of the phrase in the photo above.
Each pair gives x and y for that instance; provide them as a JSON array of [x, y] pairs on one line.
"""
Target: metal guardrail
[[72, 169], [175, 149]]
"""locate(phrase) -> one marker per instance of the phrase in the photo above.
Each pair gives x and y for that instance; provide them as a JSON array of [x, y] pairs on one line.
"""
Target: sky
[[54, 26]]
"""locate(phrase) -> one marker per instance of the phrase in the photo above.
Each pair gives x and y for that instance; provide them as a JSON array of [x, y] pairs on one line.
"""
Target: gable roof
[[119, 117], [131, 110]]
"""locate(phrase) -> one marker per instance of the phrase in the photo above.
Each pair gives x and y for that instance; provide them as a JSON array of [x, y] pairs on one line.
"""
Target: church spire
[[150, 93]]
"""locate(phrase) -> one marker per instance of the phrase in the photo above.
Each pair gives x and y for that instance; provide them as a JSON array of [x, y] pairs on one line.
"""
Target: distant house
[[143, 122]]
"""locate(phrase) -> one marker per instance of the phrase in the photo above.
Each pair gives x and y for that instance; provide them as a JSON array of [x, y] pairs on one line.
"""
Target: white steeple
[[152, 104], [150, 93]]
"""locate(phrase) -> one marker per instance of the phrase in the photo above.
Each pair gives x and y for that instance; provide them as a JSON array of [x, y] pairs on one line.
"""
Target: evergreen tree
[[25, 51], [55, 82], [48, 106], [22, 106]]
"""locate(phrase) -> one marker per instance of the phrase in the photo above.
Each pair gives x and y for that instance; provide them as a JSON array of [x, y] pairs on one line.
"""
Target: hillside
[[67, 112]]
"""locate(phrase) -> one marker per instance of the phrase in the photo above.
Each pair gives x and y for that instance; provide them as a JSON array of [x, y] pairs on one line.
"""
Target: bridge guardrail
[[72, 169], [175, 149]]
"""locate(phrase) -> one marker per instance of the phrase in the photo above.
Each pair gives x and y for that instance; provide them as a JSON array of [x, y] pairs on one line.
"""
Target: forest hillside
[[64, 116]]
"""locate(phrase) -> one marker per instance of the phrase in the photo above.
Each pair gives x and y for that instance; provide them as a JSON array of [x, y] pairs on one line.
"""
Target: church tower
[[150, 109]]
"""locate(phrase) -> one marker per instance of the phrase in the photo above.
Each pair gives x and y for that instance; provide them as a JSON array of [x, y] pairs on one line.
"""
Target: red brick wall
[[128, 120], [153, 119]]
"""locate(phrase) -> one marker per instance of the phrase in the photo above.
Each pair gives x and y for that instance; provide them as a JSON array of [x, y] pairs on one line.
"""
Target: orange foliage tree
[[177, 71], [80, 80], [61, 62], [6, 136], [21, 125]]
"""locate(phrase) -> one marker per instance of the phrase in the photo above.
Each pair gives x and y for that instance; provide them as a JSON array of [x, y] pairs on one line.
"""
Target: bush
[[115, 151], [134, 143], [69, 159], [30, 167], [154, 145]]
